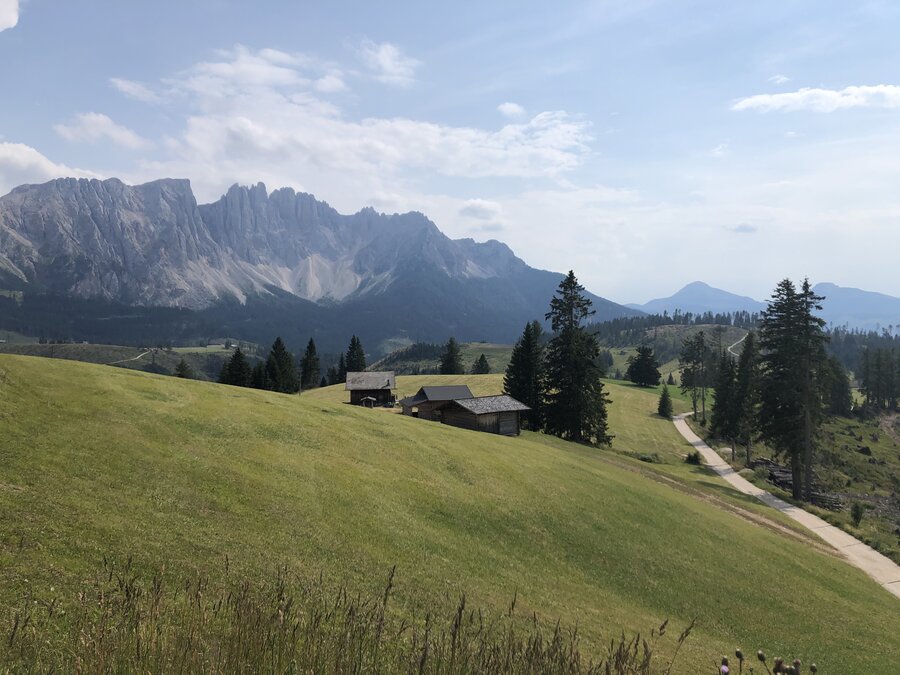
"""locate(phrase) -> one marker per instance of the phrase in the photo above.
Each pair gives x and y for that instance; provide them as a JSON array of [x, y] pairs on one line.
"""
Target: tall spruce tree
[[281, 372], [451, 359], [575, 402], [643, 368], [724, 419], [792, 341], [694, 361], [309, 367], [356, 356], [525, 378], [260, 378], [481, 366], [341, 370], [237, 370], [746, 393]]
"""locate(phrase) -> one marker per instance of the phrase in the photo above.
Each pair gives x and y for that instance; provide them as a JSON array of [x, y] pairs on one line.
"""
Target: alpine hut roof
[[369, 381], [491, 404], [442, 393]]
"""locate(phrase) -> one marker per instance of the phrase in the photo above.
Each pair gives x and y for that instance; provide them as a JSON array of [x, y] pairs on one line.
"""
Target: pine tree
[[643, 368], [259, 379], [451, 359], [237, 370], [356, 356], [332, 375], [793, 345], [671, 379], [724, 420], [746, 393], [836, 388], [693, 362], [281, 371], [576, 402], [323, 382], [665, 403], [341, 370], [183, 370], [309, 367], [481, 366], [525, 375]]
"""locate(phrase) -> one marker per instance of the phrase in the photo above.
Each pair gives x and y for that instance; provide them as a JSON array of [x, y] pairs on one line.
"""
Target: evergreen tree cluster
[[879, 376], [781, 388], [561, 382], [481, 366]]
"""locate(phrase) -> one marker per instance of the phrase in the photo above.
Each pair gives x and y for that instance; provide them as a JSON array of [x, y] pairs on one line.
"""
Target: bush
[[761, 472], [693, 458], [857, 510]]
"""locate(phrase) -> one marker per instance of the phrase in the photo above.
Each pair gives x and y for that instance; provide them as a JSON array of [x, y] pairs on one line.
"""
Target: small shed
[[371, 389], [492, 414], [428, 402]]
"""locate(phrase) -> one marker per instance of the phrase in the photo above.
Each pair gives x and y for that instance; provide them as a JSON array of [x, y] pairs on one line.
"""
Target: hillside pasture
[[178, 474]]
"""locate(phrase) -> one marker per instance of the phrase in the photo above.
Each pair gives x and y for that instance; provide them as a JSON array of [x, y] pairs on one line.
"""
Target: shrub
[[693, 458], [857, 510]]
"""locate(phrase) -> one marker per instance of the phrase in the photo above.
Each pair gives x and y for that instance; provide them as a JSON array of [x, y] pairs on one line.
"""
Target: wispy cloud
[[779, 79], [135, 90], [512, 110], [20, 163], [743, 228], [91, 127], [388, 63], [720, 150], [824, 100], [9, 13], [480, 209]]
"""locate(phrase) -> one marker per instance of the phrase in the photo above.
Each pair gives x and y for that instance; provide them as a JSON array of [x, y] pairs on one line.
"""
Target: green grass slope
[[99, 461]]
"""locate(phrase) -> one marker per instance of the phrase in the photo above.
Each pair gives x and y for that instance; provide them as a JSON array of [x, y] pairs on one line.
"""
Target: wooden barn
[[372, 389], [492, 414], [428, 402]]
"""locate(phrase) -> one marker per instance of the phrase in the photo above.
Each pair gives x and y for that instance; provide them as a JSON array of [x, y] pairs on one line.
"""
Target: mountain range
[[104, 260], [843, 306]]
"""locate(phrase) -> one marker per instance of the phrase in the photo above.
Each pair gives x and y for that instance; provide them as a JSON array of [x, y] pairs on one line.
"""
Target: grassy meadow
[[101, 462]]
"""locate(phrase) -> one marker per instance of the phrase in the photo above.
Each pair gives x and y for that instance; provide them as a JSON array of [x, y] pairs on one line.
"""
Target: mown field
[[108, 462]]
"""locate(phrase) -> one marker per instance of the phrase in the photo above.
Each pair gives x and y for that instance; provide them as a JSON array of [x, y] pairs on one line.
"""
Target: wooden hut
[[492, 414], [428, 402], [371, 389]]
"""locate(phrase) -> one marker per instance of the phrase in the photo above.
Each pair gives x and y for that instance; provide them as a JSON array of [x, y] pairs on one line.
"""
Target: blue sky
[[643, 144]]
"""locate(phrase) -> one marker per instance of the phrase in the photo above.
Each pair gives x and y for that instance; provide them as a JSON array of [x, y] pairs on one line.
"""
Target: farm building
[[428, 401], [492, 414], [371, 389]]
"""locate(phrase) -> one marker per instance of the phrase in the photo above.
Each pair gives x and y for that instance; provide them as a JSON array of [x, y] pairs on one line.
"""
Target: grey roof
[[491, 404], [368, 381], [441, 393]]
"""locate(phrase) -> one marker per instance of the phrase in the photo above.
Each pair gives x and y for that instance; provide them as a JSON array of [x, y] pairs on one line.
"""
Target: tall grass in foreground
[[290, 625]]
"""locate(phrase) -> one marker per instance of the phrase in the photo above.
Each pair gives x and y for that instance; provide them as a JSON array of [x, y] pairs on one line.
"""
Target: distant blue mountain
[[856, 308], [699, 297], [842, 306]]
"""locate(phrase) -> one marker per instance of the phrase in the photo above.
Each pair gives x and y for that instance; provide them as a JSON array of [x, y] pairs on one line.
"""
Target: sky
[[642, 144]]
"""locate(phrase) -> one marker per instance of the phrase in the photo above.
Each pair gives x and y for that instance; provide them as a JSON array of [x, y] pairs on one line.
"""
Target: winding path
[[881, 568], [731, 348], [112, 363]]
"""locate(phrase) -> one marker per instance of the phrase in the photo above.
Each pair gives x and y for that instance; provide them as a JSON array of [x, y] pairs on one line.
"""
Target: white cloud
[[824, 100], [92, 127], [330, 83], [135, 90], [510, 109], [779, 79], [480, 209], [21, 164], [720, 150], [388, 64], [274, 127], [9, 14]]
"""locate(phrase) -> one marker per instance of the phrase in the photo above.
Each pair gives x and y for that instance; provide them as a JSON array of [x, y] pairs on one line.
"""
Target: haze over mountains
[[842, 306], [260, 258]]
